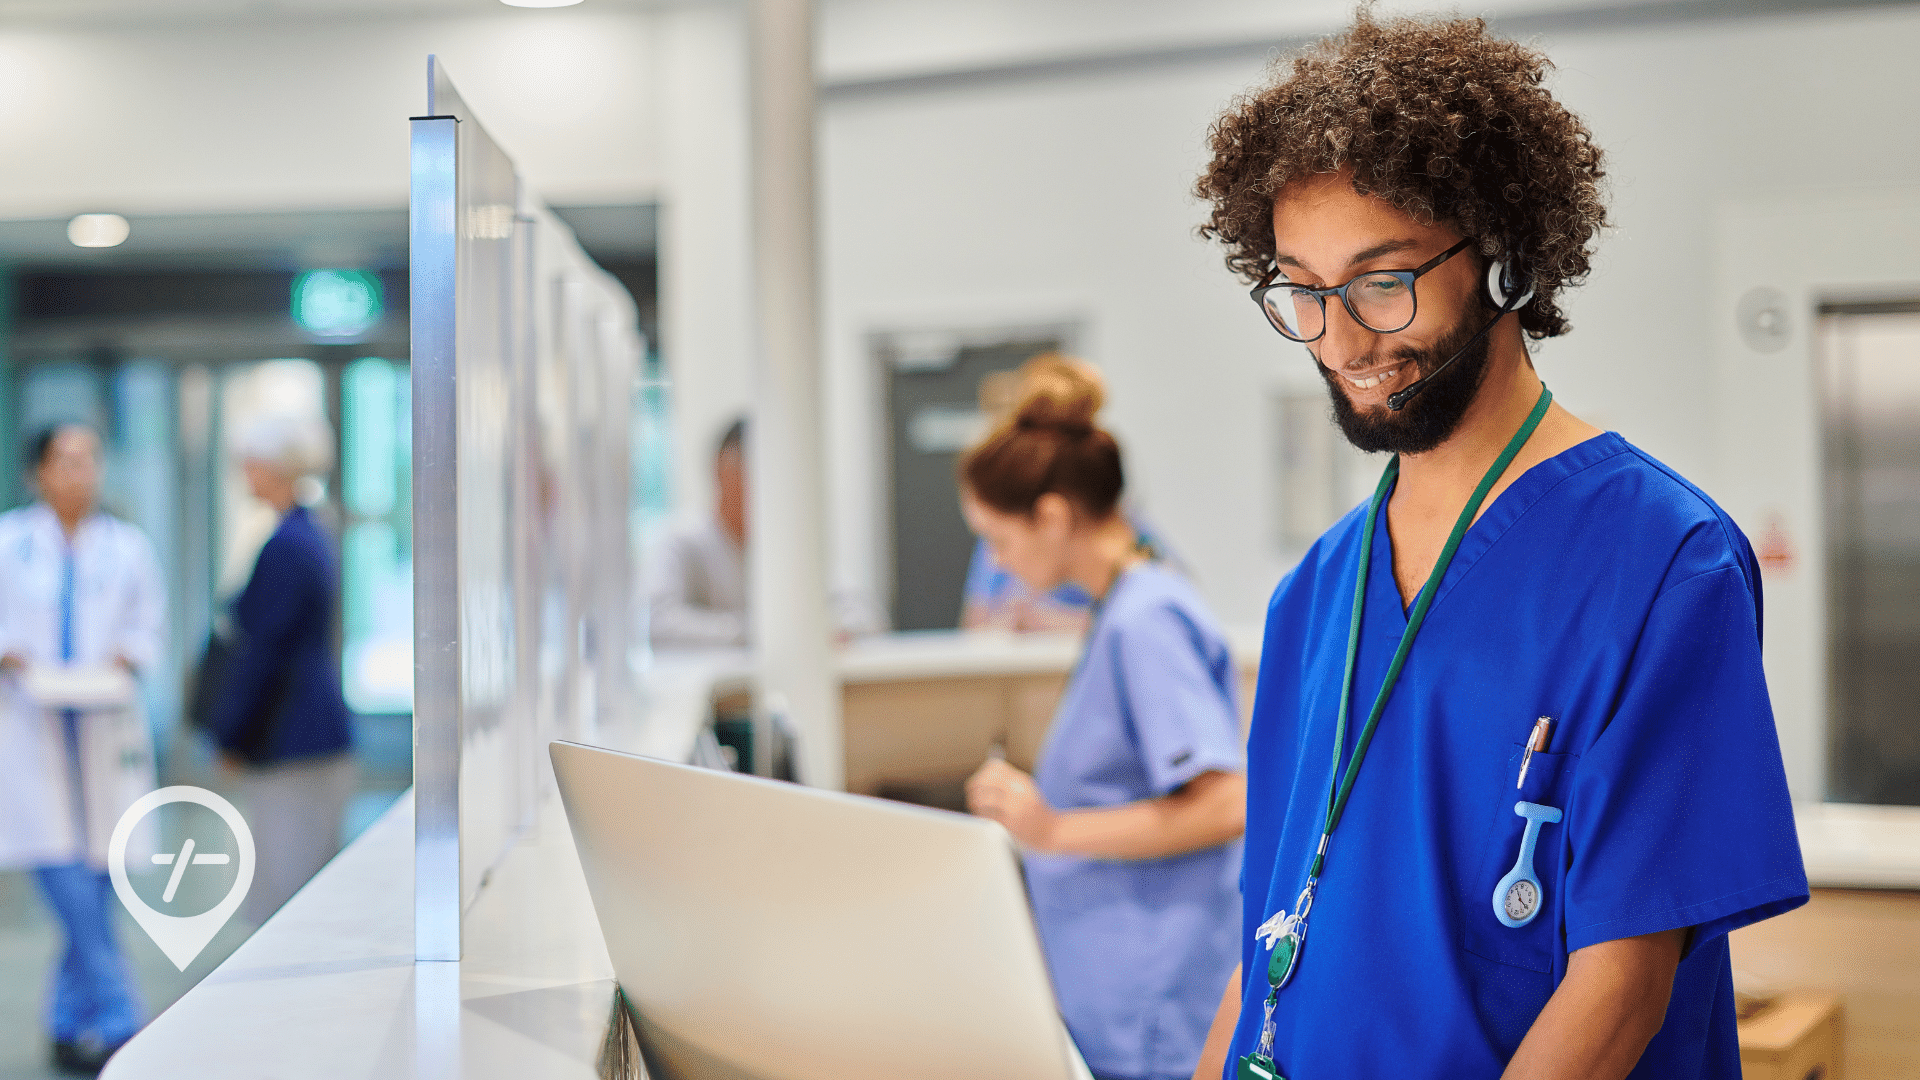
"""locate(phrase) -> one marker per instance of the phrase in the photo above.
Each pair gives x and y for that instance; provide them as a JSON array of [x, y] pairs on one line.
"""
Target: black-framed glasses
[[1380, 300]]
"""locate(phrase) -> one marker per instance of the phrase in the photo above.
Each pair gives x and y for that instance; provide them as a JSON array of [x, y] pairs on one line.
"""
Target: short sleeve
[[1179, 707], [1679, 815]]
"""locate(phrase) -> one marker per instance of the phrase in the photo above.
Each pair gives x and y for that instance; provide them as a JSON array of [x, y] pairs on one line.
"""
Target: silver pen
[[1535, 741]]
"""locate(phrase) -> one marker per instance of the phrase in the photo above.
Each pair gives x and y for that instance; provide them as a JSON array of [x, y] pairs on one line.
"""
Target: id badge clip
[[1258, 1067]]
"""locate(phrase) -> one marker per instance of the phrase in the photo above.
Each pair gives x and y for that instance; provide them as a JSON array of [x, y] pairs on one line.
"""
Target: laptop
[[767, 931]]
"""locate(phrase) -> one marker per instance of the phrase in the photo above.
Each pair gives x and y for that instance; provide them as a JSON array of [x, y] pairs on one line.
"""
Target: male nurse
[[1513, 774]]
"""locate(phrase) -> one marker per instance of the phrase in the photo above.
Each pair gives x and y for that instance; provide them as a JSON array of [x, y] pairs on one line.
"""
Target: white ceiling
[[176, 12]]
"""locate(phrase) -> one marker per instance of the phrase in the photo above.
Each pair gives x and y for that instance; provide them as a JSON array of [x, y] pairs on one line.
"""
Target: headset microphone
[[1515, 289], [1398, 400]]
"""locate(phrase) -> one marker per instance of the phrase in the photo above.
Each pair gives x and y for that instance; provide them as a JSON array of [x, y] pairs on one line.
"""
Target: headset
[[1507, 288], [1509, 284]]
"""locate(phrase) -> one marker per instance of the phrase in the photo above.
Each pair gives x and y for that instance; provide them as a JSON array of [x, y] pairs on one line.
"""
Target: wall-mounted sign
[[1775, 549]]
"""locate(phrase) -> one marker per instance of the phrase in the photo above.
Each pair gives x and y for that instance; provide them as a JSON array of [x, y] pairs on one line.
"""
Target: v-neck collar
[[1383, 592]]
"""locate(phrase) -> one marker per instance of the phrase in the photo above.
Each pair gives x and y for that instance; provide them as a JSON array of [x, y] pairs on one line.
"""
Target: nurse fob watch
[[1516, 900]]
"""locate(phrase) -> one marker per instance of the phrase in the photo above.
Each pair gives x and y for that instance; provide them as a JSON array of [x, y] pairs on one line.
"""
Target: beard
[[1434, 413]]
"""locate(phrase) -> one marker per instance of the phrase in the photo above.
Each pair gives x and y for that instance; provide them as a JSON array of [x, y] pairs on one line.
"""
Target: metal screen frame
[[498, 518]]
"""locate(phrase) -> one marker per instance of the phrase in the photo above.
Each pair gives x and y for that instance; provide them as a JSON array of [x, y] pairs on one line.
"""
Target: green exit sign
[[337, 303]]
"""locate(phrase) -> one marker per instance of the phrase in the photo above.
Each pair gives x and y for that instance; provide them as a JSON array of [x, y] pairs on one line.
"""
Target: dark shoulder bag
[[211, 681]]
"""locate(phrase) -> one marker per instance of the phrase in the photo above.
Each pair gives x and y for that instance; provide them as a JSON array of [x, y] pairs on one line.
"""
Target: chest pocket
[[1534, 945]]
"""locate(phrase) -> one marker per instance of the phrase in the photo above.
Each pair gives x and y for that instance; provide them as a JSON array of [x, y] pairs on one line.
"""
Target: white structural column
[[793, 635]]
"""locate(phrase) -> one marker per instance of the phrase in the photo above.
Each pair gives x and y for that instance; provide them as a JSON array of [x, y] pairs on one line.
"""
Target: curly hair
[[1441, 120]]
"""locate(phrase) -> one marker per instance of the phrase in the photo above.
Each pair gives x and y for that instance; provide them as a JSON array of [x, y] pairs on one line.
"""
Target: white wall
[[871, 39], [1069, 196], [1034, 202], [312, 113], [1846, 245]]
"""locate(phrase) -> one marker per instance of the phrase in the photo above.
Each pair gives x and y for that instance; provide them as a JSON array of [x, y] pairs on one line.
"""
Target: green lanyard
[[1287, 930], [1337, 797]]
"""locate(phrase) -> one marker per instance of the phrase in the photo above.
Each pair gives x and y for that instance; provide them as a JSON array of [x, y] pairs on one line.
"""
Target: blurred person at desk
[[1130, 826], [281, 721], [81, 613], [995, 598], [697, 594]]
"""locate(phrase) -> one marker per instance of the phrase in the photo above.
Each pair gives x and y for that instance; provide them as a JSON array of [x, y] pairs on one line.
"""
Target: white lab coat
[[119, 610]]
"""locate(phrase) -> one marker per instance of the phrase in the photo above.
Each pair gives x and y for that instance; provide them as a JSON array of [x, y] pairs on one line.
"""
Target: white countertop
[[1860, 847], [933, 654], [919, 654], [329, 987], [916, 654]]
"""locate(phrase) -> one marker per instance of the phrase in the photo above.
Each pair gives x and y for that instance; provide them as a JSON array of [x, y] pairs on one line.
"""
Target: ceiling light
[[98, 230], [539, 3]]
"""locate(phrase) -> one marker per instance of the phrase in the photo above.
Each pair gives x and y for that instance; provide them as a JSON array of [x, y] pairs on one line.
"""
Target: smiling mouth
[[1370, 381]]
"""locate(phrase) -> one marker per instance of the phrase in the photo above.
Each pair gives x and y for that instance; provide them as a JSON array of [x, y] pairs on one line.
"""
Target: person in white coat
[[81, 591]]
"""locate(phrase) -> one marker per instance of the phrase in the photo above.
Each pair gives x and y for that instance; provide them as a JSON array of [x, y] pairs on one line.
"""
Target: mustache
[[1397, 356]]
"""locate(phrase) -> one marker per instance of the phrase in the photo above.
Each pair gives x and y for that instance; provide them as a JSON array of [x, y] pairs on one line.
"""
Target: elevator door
[[1870, 367]]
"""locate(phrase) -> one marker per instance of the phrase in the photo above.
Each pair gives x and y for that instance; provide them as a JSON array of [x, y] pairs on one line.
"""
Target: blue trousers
[[93, 991]]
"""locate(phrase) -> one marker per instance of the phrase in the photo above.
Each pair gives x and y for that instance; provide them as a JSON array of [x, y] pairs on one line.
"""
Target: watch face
[[1522, 898]]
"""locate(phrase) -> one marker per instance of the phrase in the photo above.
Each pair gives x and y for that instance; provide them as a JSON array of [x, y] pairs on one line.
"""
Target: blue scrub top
[[1604, 591], [1140, 949]]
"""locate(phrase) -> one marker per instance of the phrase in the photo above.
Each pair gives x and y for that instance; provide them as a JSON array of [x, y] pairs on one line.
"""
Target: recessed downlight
[[98, 230], [539, 3]]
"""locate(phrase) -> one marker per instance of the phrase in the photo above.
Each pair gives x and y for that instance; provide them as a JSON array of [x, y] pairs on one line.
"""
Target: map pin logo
[[182, 937]]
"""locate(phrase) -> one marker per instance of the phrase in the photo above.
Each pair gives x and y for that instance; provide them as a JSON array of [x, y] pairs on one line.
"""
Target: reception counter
[[329, 987], [920, 712]]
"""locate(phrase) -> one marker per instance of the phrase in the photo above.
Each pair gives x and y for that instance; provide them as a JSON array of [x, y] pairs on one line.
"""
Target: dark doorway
[[933, 414]]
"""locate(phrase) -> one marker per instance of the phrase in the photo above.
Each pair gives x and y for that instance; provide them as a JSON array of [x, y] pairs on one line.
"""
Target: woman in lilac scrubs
[[1130, 827]]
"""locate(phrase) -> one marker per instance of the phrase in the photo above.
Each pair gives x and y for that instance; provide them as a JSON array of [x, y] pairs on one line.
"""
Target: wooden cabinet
[[1793, 1037], [925, 736]]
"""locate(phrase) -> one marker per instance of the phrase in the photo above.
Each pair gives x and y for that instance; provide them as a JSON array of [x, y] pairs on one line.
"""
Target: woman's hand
[[1207, 811], [1003, 793]]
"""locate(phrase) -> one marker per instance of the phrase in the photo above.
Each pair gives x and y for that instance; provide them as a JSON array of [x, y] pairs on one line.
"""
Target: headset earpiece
[[1509, 284]]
